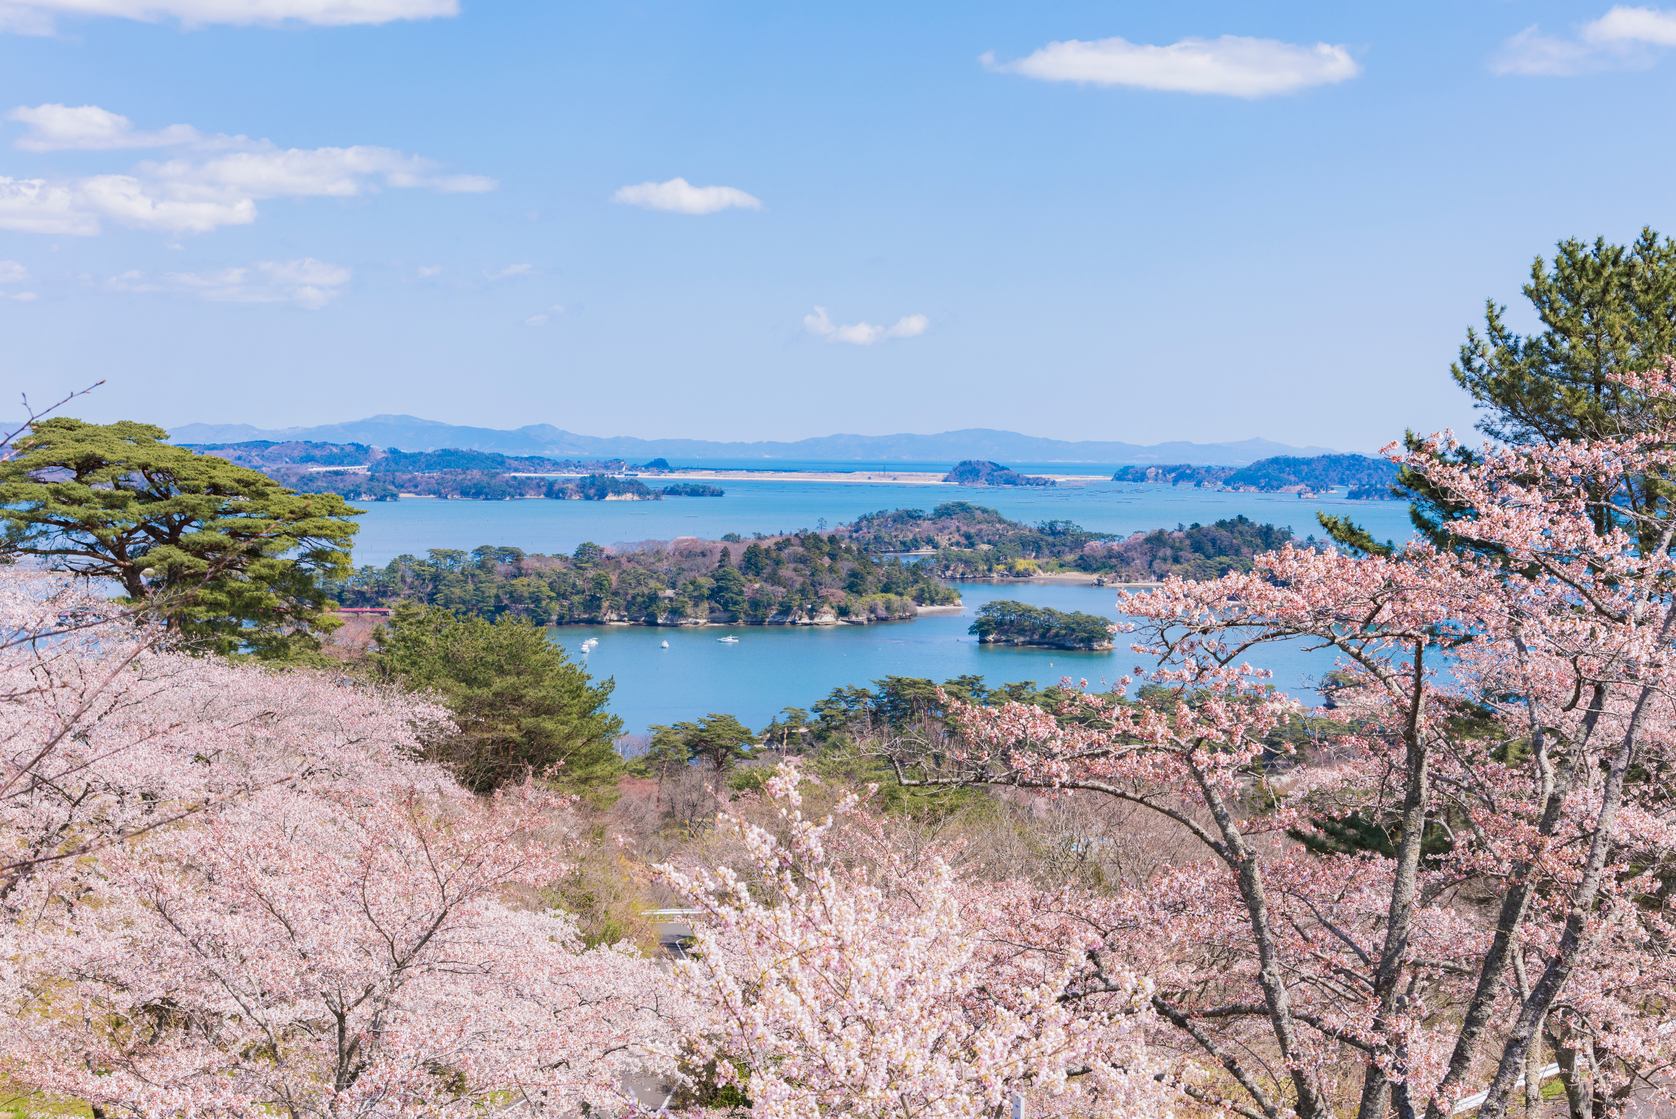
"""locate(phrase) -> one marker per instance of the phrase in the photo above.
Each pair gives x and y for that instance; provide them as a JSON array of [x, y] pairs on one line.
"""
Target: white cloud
[[90, 128], [537, 320], [11, 272], [37, 206], [1235, 65], [863, 333], [680, 197], [1633, 25], [426, 271], [1622, 38], [199, 192], [35, 17], [306, 283], [509, 270], [24, 297]]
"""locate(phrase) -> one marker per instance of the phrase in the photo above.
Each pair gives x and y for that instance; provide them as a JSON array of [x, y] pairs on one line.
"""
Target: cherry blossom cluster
[[845, 979], [233, 891]]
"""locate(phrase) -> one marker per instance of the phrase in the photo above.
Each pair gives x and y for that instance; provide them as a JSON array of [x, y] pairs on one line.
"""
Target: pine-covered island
[[886, 566]]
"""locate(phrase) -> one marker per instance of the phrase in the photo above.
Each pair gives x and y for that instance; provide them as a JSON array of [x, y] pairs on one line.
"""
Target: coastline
[[859, 477], [1074, 578]]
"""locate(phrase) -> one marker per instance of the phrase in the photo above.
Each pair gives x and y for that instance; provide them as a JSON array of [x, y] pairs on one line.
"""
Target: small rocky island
[[981, 472], [1016, 623]]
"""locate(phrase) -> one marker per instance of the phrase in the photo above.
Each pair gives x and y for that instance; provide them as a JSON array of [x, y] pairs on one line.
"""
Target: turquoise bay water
[[537, 525], [772, 667]]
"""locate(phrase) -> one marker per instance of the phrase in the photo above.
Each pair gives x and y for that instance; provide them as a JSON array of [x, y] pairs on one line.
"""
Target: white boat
[[729, 640], [666, 644]]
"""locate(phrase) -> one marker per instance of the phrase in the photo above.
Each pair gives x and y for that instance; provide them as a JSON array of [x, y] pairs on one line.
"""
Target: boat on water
[[666, 644], [728, 640]]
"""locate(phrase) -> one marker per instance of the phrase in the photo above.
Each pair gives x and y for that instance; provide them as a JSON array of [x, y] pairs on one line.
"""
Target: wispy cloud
[[509, 270], [306, 283], [11, 272], [36, 17], [538, 320], [680, 197], [863, 333], [426, 271], [1623, 38], [217, 181], [89, 128], [1233, 65]]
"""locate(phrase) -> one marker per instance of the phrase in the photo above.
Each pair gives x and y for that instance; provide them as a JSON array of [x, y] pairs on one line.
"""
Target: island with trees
[[1018, 623], [1364, 477], [966, 541], [360, 472], [799, 579], [981, 472]]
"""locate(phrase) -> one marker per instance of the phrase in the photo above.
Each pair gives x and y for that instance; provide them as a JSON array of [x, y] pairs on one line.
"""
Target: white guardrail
[[1472, 1102]]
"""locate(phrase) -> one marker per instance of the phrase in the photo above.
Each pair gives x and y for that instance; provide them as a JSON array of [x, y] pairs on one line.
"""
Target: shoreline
[[1071, 578], [859, 477]]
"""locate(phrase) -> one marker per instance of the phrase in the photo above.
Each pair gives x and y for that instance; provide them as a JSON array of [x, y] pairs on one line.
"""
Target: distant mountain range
[[409, 433]]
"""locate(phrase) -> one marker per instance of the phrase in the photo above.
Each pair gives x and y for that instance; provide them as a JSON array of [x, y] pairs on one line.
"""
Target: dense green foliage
[[720, 740], [981, 472], [1181, 473], [600, 487], [520, 706], [788, 578], [1018, 623], [1365, 477], [1370, 477], [901, 703], [232, 558], [366, 473], [1604, 309], [960, 524], [970, 541], [691, 489]]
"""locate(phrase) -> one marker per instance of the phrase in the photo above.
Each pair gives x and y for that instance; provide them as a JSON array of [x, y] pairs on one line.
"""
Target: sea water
[[412, 525], [773, 667]]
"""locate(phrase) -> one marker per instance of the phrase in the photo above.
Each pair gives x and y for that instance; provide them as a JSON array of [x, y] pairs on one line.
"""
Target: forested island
[[966, 541], [800, 579], [1364, 477], [1018, 623], [360, 472], [981, 472]]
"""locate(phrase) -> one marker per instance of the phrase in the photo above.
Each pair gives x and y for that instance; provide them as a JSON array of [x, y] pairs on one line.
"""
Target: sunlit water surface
[[772, 667]]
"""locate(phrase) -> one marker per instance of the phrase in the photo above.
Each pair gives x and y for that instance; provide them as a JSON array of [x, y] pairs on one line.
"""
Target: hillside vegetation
[[804, 579], [1365, 477], [361, 472], [967, 541], [981, 472], [1018, 623]]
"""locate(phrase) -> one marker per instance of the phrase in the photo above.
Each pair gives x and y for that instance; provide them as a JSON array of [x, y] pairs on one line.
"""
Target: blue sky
[[1079, 220]]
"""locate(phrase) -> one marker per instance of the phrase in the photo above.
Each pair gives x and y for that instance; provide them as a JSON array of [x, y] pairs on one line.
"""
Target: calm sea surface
[[772, 667]]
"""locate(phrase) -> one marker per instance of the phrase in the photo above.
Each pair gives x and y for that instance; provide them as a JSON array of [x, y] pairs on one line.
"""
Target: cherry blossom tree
[[1510, 739], [231, 891], [842, 979]]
